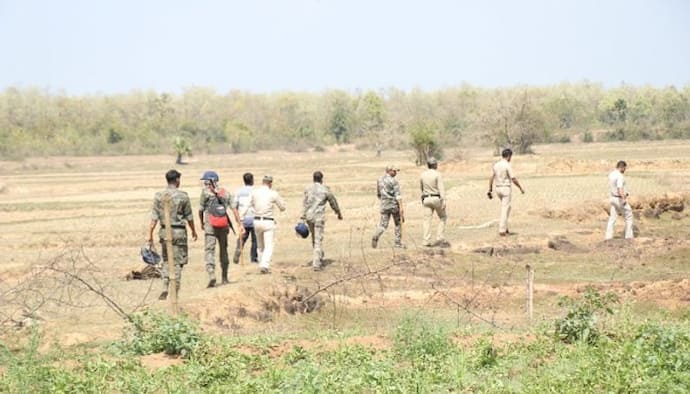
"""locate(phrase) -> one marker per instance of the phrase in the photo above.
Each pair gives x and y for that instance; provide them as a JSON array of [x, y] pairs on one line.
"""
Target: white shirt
[[241, 202], [616, 181], [262, 200], [503, 173]]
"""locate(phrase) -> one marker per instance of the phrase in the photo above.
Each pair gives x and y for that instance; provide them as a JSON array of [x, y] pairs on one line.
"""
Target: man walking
[[213, 203], [261, 202], [503, 177], [433, 200], [245, 216], [618, 196], [180, 212], [388, 192], [314, 213]]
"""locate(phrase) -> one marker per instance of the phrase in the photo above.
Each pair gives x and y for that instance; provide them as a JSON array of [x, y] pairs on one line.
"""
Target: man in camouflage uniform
[[210, 191], [180, 212], [388, 192], [314, 214], [433, 200]]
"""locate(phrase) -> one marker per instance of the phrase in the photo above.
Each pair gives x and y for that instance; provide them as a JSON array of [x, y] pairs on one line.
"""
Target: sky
[[115, 46]]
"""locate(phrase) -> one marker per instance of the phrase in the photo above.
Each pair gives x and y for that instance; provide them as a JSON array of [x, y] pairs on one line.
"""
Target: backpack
[[218, 213]]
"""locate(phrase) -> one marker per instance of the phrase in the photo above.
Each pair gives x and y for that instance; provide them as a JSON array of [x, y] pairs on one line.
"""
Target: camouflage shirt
[[180, 212], [205, 204], [388, 191], [315, 198]]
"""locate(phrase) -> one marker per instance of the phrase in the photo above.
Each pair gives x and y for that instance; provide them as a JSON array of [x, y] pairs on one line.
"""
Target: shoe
[[318, 268], [225, 281], [503, 234], [374, 242], [444, 244], [427, 245], [236, 258], [265, 270], [163, 296], [255, 261], [211, 283], [400, 246]]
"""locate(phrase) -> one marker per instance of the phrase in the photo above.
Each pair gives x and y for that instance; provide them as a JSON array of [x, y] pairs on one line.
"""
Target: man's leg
[[628, 216], [398, 229], [504, 194], [317, 260], [252, 254], [441, 231], [383, 225], [268, 234], [210, 258], [181, 259], [426, 222], [259, 229], [613, 215], [222, 236]]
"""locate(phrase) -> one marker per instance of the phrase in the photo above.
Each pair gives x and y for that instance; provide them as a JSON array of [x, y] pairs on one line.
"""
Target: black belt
[[262, 218], [175, 226], [430, 195]]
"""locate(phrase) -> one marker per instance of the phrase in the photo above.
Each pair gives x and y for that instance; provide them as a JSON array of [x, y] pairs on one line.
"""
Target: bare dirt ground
[[72, 228]]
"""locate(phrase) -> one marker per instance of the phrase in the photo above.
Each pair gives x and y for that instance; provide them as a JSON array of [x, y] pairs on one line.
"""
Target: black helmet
[[149, 255], [302, 230], [210, 176]]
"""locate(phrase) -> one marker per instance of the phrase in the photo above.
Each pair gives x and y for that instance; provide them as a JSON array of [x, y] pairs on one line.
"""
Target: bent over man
[[388, 192], [180, 212], [504, 178], [315, 197], [212, 194], [433, 200], [618, 196], [261, 202]]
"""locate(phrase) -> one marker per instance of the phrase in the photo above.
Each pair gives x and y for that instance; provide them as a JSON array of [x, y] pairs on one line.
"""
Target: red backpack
[[218, 213]]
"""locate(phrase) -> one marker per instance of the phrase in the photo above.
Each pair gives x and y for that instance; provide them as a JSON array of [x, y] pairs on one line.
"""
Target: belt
[[262, 218], [430, 195], [175, 226]]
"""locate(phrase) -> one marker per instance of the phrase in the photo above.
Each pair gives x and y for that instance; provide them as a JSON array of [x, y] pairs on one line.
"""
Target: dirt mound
[[563, 244]]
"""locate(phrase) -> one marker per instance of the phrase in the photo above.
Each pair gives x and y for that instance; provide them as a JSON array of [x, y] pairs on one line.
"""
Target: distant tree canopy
[[38, 122]]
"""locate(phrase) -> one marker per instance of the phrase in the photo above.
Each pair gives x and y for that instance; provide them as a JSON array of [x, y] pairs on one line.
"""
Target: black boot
[[224, 274]]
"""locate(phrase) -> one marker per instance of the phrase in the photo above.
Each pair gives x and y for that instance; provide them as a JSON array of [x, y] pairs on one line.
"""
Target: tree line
[[36, 122]]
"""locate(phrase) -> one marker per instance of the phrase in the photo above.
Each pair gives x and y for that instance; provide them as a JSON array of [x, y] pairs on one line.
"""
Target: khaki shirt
[[616, 180], [503, 173], [431, 183], [316, 196], [262, 199], [180, 212], [205, 204]]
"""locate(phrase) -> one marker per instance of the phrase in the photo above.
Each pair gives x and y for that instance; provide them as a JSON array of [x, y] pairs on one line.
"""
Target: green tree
[[182, 147], [424, 141]]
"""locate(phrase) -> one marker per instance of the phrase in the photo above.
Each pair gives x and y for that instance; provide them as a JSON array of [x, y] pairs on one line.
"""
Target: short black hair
[[318, 176], [172, 176], [507, 152], [248, 178], [621, 163]]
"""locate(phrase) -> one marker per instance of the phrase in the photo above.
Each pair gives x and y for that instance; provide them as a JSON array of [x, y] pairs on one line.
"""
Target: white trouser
[[504, 194], [264, 240], [430, 205], [617, 207]]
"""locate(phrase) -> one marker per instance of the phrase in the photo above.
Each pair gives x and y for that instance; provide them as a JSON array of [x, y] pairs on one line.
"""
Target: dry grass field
[[87, 216]]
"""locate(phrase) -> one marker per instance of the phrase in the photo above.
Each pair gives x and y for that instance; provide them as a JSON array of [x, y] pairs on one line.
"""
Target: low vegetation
[[627, 356]]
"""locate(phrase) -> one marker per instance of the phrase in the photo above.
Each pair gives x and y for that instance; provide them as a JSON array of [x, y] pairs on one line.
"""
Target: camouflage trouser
[[180, 255], [210, 252], [316, 228], [383, 225]]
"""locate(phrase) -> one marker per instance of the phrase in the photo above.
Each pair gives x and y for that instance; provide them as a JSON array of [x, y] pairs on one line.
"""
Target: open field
[[90, 214]]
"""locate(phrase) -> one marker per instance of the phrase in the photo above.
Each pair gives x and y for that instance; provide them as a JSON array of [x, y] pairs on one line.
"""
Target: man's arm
[[191, 227], [441, 191], [515, 181], [280, 203], [152, 226], [491, 185], [333, 202]]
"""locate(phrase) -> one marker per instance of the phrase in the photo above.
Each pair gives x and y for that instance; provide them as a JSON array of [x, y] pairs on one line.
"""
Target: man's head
[[173, 177], [268, 180], [318, 176], [248, 179], [432, 162], [392, 170], [507, 154], [621, 166]]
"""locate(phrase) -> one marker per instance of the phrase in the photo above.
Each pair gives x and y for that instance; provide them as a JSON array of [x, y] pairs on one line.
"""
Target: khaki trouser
[[617, 207], [430, 205], [210, 252], [504, 194], [265, 230], [316, 229]]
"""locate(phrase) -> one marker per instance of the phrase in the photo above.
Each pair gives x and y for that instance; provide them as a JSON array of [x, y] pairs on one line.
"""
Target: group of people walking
[[253, 209]]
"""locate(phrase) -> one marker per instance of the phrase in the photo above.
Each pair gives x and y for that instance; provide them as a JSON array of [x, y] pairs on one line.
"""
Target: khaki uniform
[[503, 175], [315, 198], [433, 198], [211, 234], [180, 214], [261, 202], [388, 192], [617, 181]]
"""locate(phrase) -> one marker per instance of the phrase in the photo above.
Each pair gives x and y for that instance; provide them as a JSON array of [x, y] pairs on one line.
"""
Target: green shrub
[[155, 332], [581, 321], [587, 137]]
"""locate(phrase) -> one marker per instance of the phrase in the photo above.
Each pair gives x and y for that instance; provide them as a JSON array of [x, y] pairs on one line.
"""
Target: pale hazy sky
[[93, 46]]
